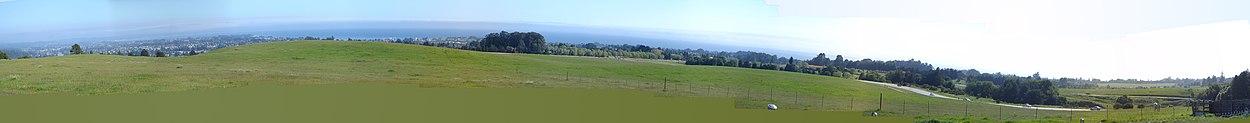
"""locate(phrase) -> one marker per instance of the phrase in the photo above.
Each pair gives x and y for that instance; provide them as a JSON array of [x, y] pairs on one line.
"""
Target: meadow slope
[[334, 62]]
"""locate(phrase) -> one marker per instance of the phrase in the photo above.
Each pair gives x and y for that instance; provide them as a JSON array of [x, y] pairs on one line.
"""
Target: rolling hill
[[338, 62]]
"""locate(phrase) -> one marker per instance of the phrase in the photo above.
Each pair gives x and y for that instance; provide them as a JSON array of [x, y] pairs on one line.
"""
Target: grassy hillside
[[334, 62], [390, 103]]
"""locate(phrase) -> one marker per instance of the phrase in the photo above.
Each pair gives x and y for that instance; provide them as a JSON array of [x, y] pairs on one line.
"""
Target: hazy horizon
[[1085, 39]]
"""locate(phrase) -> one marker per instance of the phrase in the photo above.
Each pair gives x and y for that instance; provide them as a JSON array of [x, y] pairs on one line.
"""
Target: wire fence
[[757, 97], [747, 97]]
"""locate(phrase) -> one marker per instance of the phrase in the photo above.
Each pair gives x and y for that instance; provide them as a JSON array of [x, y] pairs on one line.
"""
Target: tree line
[[1018, 90], [1002, 87], [1237, 89], [512, 42], [5, 56]]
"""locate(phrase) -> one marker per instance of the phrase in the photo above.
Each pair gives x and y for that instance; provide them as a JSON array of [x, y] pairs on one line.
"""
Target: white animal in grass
[[772, 107]]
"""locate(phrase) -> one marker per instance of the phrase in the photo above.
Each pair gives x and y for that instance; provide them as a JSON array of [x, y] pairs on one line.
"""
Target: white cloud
[[1100, 18], [1188, 51], [1063, 38]]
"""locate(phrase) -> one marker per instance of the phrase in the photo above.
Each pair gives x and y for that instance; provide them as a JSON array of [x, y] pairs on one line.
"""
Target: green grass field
[[335, 62], [1135, 85], [389, 103]]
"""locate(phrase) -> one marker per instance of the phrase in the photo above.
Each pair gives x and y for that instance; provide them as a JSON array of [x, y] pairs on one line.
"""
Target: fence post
[[709, 90], [796, 98], [748, 93], [822, 102], [665, 89], [642, 86]]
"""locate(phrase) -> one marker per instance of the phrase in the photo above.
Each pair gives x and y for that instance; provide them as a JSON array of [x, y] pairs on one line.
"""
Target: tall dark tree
[[820, 60], [1239, 88], [1009, 90], [4, 55], [972, 72], [516, 42], [160, 53], [75, 50], [981, 89], [1212, 92], [144, 52], [1123, 102], [828, 71], [936, 78], [839, 61], [902, 77], [791, 66]]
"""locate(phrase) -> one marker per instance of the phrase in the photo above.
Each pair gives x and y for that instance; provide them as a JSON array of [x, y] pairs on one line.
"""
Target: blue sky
[[57, 14], [1145, 39]]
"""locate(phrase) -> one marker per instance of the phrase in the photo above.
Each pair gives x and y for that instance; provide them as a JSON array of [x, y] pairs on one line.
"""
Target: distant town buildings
[[185, 46]]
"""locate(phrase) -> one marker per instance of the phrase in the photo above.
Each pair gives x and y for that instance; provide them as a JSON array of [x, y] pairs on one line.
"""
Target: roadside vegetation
[[822, 83]]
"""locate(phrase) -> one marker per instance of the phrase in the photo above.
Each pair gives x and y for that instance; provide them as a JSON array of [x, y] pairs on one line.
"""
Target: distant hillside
[[331, 62]]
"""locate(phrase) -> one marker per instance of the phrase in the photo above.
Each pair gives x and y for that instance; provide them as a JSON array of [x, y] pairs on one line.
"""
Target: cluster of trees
[[1212, 80], [75, 50], [790, 64], [932, 79], [145, 52], [512, 42], [592, 49], [1123, 102], [1180, 82], [747, 56], [1003, 87], [1071, 83], [869, 64], [1018, 90], [1237, 90], [722, 61]]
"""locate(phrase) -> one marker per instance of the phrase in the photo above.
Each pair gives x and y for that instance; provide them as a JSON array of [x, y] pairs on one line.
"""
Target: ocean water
[[419, 29]]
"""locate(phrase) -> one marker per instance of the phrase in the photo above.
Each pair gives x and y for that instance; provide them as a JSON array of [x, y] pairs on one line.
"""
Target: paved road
[[931, 94], [917, 91]]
